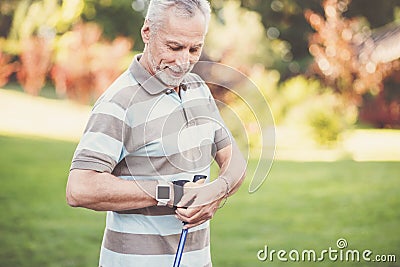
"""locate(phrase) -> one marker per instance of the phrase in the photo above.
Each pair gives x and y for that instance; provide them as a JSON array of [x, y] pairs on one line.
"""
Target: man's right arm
[[103, 191]]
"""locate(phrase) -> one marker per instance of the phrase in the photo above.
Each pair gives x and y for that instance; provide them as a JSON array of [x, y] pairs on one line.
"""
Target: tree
[[285, 19], [117, 18], [86, 64], [349, 59]]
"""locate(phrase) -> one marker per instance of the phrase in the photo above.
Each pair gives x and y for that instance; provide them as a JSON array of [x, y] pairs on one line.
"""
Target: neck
[[144, 61]]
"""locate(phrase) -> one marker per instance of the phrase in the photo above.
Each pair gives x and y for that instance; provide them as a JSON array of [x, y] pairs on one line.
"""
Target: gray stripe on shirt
[[146, 244]]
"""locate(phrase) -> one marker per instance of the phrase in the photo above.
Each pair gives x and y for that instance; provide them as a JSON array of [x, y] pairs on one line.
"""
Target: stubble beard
[[161, 72]]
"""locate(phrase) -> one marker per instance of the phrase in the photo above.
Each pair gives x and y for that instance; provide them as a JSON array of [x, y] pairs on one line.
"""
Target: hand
[[200, 202]]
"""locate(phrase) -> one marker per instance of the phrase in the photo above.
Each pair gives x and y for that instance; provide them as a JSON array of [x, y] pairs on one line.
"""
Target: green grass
[[300, 206], [37, 228], [310, 206]]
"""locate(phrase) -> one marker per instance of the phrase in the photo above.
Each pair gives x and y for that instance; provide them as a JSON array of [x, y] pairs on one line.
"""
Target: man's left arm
[[232, 167]]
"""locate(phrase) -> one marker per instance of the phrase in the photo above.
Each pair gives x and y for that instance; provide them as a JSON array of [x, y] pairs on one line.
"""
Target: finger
[[196, 184], [189, 184], [182, 218], [193, 215], [201, 181], [197, 221], [180, 215], [190, 219], [186, 201], [191, 225], [186, 214]]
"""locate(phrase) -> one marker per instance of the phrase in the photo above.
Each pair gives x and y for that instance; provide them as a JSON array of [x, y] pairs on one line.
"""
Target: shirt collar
[[149, 82]]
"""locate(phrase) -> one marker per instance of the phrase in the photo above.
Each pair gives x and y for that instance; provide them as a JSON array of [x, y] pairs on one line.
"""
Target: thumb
[[191, 194], [201, 181], [195, 184]]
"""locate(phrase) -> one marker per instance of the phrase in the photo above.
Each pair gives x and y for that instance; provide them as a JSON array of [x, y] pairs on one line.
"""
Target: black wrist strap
[[178, 190]]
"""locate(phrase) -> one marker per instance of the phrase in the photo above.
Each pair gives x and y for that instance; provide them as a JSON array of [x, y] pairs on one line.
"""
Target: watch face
[[163, 192]]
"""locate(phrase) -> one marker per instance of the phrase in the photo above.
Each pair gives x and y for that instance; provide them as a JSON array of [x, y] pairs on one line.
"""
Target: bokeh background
[[329, 71]]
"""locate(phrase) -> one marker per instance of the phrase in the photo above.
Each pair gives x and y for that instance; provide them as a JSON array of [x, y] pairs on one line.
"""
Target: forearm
[[232, 168], [104, 192]]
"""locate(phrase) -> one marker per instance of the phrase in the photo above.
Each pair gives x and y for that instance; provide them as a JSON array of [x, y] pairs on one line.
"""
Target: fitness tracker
[[163, 193]]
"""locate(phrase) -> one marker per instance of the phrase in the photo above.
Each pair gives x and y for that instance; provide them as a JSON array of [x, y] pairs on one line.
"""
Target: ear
[[145, 32]]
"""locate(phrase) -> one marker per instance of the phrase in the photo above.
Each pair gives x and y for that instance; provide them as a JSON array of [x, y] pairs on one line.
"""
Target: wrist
[[224, 192]]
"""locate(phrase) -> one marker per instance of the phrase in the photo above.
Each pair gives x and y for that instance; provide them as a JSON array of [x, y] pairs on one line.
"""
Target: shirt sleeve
[[101, 145]]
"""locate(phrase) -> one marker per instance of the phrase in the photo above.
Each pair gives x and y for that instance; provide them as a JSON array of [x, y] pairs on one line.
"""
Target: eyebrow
[[199, 45]]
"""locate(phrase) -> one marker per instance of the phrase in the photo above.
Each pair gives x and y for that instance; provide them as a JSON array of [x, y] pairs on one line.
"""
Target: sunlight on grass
[[65, 120], [38, 116]]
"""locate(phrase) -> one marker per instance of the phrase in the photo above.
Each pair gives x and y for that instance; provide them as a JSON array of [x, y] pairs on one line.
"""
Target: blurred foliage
[[117, 18], [334, 48], [45, 18], [284, 19], [307, 103], [32, 34], [7, 9], [383, 110], [344, 59], [246, 111], [22, 18], [85, 64], [6, 68], [82, 45], [225, 43], [43, 33], [35, 61], [299, 101]]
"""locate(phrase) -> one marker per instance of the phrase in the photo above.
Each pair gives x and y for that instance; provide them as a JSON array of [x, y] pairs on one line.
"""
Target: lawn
[[300, 206]]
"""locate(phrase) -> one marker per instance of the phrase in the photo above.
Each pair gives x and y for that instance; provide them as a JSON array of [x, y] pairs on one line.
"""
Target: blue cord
[[179, 252]]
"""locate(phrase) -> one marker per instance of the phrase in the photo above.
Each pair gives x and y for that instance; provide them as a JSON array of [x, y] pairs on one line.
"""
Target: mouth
[[175, 72]]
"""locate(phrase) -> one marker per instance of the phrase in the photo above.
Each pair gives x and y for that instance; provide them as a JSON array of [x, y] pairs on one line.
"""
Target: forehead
[[183, 30]]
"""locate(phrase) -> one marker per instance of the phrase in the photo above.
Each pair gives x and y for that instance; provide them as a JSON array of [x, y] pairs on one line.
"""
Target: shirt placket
[[182, 101], [190, 120]]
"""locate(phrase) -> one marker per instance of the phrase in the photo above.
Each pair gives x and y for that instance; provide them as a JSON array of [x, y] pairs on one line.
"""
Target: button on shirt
[[141, 130]]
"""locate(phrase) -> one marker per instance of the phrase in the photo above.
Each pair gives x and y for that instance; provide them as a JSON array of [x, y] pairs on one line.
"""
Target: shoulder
[[120, 92]]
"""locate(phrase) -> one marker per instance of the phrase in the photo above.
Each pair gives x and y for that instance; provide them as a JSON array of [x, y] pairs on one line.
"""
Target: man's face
[[175, 47]]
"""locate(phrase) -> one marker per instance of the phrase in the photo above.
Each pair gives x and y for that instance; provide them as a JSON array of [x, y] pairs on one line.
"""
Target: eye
[[175, 48], [194, 50]]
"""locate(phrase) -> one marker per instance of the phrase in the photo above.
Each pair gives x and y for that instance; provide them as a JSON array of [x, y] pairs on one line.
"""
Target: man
[[157, 125]]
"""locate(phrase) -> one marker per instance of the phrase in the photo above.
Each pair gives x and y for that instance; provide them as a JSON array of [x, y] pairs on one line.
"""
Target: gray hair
[[183, 8]]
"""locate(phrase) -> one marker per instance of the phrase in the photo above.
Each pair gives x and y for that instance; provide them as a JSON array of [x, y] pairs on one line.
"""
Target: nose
[[183, 59]]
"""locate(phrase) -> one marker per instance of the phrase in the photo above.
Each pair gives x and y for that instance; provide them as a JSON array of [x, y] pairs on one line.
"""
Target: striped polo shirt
[[141, 130]]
